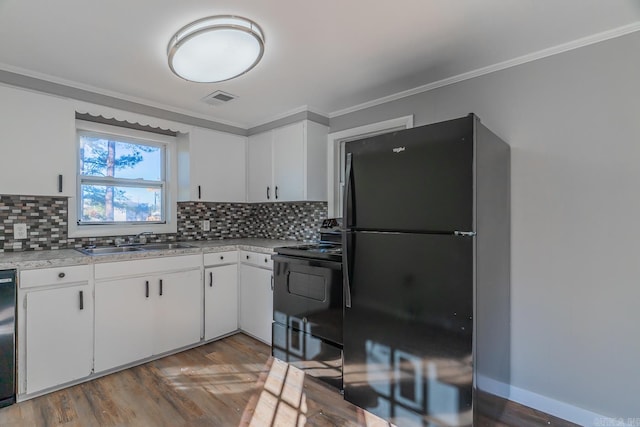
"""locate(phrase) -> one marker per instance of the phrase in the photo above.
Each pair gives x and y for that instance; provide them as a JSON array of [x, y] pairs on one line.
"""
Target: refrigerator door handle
[[347, 193], [345, 266]]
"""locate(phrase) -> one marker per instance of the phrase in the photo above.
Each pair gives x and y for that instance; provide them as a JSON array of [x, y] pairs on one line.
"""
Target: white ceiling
[[326, 55]]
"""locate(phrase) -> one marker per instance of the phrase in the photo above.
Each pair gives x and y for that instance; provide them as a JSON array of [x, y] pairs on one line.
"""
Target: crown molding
[[287, 114], [45, 83], [555, 50]]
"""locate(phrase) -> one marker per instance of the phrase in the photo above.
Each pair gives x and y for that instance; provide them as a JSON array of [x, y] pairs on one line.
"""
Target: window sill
[[119, 230]]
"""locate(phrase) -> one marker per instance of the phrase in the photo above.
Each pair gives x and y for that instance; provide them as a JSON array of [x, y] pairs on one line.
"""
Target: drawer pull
[[266, 259], [61, 275], [247, 256], [81, 300], [160, 287], [146, 293], [221, 257]]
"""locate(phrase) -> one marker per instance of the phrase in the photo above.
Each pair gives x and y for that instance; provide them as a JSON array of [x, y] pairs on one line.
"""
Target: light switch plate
[[19, 231], [206, 225]]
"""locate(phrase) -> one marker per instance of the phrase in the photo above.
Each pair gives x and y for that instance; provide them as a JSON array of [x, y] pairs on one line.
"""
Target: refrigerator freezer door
[[419, 179], [408, 333]]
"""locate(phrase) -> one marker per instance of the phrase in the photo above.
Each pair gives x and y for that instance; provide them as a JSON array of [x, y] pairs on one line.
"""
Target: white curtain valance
[[129, 117]]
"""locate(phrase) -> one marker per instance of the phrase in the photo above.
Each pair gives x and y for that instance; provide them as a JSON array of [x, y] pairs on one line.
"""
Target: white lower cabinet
[[139, 317], [256, 295], [76, 320], [124, 322], [220, 300], [178, 314], [59, 335]]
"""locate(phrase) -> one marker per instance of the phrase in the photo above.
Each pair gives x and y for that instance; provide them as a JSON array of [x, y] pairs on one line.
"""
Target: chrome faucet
[[139, 237]]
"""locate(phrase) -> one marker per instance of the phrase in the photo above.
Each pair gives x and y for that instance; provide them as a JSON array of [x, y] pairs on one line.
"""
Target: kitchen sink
[[111, 250], [160, 246]]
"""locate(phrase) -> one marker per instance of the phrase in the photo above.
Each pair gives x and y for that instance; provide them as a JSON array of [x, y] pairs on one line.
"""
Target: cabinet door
[[178, 310], [124, 315], [220, 301], [39, 133], [59, 332], [259, 168], [288, 162], [256, 302], [218, 162]]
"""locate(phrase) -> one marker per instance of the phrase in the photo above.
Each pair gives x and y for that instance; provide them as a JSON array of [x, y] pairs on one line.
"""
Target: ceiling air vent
[[218, 98]]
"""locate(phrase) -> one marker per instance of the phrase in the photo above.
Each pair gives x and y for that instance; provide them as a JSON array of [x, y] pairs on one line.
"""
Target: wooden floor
[[231, 382]]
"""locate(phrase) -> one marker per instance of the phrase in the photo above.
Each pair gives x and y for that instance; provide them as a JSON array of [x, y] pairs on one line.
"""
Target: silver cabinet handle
[[272, 282]]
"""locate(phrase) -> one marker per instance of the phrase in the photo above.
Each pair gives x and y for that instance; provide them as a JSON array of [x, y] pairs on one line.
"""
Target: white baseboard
[[551, 406]]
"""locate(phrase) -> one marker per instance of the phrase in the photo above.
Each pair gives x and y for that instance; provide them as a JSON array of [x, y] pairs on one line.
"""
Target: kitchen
[[566, 110]]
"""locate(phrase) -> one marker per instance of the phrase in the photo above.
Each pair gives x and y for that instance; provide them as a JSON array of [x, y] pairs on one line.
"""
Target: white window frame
[[170, 184], [336, 161]]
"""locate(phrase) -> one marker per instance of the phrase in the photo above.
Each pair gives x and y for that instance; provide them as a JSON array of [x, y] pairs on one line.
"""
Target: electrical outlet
[[206, 225], [19, 231]]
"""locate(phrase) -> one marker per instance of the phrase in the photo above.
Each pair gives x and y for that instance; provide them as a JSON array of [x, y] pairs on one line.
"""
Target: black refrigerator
[[426, 272]]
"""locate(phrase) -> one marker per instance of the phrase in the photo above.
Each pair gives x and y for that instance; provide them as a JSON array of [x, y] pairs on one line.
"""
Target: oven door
[[307, 296]]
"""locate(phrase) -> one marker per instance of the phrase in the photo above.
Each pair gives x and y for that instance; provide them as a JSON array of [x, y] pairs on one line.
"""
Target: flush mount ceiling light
[[215, 49]]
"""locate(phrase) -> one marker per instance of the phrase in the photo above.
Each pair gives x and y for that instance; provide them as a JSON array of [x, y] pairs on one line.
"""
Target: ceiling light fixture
[[215, 49]]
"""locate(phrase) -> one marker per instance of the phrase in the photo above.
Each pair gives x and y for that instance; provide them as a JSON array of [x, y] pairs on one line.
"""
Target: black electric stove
[[307, 306]]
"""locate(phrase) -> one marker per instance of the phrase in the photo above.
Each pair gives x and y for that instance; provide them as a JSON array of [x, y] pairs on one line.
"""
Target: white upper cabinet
[[212, 166], [259, 167], [38, 141], [288, 163]]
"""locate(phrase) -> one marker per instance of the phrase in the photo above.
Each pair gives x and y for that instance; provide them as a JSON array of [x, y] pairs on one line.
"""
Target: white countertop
[[64, 257]]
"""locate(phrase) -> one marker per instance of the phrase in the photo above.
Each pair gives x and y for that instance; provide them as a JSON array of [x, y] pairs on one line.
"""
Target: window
[[120, 181], [124, 181]]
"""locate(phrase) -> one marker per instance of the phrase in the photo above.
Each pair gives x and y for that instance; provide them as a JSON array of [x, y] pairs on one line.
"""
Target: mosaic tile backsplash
[[47, 226]]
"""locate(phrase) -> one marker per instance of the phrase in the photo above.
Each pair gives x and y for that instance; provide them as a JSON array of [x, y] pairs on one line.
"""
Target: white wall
[[573, 122]]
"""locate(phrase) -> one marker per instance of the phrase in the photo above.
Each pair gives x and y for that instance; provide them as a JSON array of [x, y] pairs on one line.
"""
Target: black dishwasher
[[7, 337]]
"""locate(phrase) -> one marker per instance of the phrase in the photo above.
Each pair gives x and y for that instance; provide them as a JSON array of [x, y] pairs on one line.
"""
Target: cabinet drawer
[[55, 276], [115, 269], [256, 259], [220, 258]]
